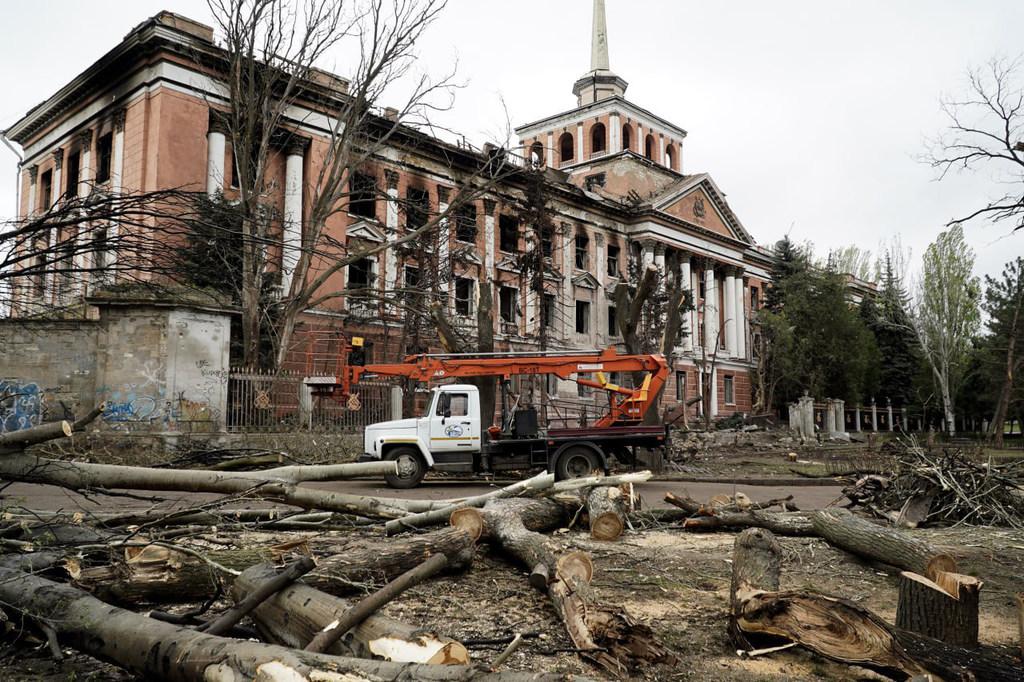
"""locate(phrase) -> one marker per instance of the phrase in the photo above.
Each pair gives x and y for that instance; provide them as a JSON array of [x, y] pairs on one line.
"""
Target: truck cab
[[448, 438]]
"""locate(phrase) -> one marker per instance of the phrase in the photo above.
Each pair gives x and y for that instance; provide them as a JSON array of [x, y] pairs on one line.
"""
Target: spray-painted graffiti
[[21, 405]]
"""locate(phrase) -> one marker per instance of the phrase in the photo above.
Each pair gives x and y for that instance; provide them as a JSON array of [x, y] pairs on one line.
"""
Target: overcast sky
[[809, 115]]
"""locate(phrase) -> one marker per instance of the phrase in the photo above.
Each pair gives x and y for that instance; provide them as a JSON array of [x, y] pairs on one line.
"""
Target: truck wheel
[[576, 462], [411, 468]]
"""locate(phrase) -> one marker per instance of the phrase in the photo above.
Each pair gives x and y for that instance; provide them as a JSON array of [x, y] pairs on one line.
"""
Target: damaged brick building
[[616, 183]]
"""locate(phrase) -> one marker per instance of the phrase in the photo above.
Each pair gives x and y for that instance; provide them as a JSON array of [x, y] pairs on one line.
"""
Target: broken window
[[547, 241], [582, 250], [730, 396], [507, 298], [681, 387], [412, 277], [582, 317], [360, 274], [627, 137], [463, 296], [566, 147], [363, 197], [613, 260], [548, 307], [598, 138], [508, 228], [45, 191], [613, 321], [465, 223], [74, 166], [417, 208], [649, 147], [104, 154]]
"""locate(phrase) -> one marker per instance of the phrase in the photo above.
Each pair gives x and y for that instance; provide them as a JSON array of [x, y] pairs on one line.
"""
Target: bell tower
[[599, 83]]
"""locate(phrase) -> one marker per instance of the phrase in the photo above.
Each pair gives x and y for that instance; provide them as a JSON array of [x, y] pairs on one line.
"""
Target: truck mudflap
[[366, 458]]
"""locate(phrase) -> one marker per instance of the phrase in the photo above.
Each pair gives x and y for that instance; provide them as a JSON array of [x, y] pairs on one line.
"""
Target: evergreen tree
[[889, 322], [1004, 305]]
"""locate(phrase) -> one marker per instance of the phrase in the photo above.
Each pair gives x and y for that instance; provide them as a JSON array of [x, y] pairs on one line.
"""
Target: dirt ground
[[675, 582]]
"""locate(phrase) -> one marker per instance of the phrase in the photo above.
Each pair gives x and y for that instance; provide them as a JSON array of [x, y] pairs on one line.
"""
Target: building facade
[[144, 118]]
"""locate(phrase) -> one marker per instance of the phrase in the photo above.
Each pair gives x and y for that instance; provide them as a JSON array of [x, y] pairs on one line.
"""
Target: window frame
[[462, 222], [583, 307], [582, 249], [363, 193], [506, 222], [729, 387], [513, 307], [104, 157], [468, 300]]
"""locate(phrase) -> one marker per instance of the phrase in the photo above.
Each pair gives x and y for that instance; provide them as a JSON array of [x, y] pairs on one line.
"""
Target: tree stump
[[756, 565], [946, 610], [606, 509]]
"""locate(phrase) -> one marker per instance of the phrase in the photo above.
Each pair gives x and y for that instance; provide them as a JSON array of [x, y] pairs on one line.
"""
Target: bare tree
[[986, 132], [272, 50]]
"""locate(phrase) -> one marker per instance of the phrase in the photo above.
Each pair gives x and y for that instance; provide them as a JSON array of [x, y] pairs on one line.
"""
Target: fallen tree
[[165, 652], [840, 630]]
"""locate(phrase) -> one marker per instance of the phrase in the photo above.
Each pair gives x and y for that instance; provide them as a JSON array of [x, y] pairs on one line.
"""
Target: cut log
[[236, 613], [162, 575], [1020, 622], [756, 565], [888, 545], [602, 633], [436, 517], [945, 609], [606, 509], [167, 653], [16, 441], [369, 605], [296, 614]]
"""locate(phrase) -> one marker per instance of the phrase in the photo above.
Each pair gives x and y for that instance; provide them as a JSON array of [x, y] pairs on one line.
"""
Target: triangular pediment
[[699, 201], [467, 254], [586, 280], [508, 264], [365, 230]]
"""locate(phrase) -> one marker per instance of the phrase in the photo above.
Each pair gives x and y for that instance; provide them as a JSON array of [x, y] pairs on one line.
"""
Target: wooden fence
[[280, 402]]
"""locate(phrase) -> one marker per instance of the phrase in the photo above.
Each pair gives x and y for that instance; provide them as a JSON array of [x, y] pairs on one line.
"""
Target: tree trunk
[[260, 484], [928, 609], [161, 575], [795, 524], [369, 605], [1020, 622], [999, 419], [604, 634], [606, 509], [296, 615], [159, 651], [17, 441], [487, 386], [441, 514], [888, 545], [756, 566]]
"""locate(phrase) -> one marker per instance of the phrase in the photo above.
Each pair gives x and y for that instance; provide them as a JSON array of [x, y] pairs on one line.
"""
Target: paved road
[[50, 498]]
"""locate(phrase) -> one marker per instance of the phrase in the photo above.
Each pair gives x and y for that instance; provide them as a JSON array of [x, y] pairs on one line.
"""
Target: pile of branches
[[305, 609], [943, 487]]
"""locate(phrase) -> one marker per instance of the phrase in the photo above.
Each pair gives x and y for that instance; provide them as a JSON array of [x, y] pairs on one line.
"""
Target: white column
[[686, 282], [392, 278], [648, 254], [216, 146], [116, 185], [695, 340], [640, 148], [55, 193], [616, 135], [729, 294], [710, 311], [579, 142], [84, 231], [568, 311], [551, 158], [33, 175], [714, 393], [293, 187], [600, 305], [659, 258], [489, 207], [741, 317], [661, 150]]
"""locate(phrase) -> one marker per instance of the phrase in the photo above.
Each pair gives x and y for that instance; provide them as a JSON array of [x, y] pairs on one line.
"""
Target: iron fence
[[268, 402]]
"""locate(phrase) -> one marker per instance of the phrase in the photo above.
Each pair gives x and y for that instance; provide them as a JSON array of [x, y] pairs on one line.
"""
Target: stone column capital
[[84, 139], [444, 194], [58, 158], [218, 123], [33, 173], [119, 117], [391, 179], [296, 145], [659, 249], [489, 206], [599, 238]]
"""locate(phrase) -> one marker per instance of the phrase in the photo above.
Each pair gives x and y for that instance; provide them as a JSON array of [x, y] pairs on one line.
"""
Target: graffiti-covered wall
[[44, 373], [158, 369]]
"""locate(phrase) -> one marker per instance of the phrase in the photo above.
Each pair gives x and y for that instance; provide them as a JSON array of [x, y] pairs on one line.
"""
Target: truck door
[[455, 422]]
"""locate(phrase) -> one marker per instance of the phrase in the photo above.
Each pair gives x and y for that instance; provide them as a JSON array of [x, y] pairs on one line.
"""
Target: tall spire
[[599, 42], [599, 83]]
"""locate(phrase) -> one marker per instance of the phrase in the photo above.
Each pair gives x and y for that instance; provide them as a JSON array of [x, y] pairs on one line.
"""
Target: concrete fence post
[[396, 402], [830, 417]]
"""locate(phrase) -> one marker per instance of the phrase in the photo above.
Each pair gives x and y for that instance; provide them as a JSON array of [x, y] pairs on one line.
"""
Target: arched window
[[598, 139], [649, 147], [537, 154], [627, 137], [670, 157], [565, 147]]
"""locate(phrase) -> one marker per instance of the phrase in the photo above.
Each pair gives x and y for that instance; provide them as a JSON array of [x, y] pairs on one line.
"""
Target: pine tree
[[889, 321]]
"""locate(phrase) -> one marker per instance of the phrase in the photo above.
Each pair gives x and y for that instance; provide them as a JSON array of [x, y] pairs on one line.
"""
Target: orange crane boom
[[627, 405]]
